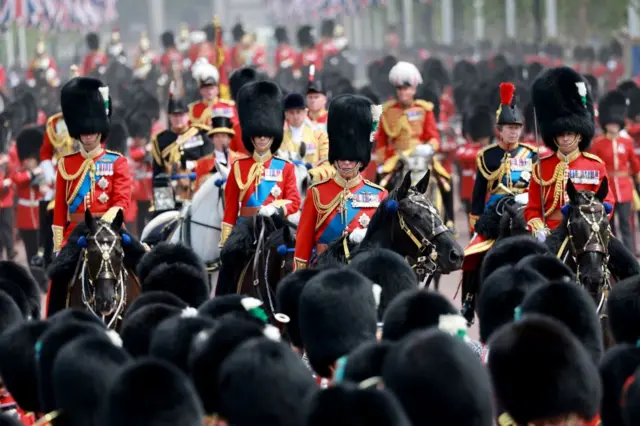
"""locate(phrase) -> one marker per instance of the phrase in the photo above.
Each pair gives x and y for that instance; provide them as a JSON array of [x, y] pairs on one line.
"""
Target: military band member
[[298, 131], [171, 60], [344, 203], [309, 53], [564, 109], [40, 64], [221, 133], [115, 49], [92, 179], [617, 153], [317, 101], [145, 59], [96, 58], [285, 53]]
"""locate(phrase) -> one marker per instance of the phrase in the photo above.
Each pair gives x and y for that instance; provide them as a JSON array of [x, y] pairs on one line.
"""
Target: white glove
[[522, 198], [357, 235], [541, 235], [6, 182], [268, 210], [49, 172], [424, 150], [191, 164], [380, 169], [294, 218]]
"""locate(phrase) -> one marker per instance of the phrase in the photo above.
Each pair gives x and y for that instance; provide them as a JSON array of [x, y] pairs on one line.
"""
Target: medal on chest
[[414, 115], [222, 112], [273, 175], [520, 164], [104, 169], [365, 200], [193, 142], [585, 177]]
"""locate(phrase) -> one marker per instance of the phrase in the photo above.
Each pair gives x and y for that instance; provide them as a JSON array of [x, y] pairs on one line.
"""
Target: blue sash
[[263, 190], [104, 166], [336, 227]]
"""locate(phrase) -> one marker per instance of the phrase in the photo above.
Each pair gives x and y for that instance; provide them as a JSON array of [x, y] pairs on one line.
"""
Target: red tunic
[[327, 48], [169, 57], [94, 60], [99, 184], [201, 112], [142, 174], [621, 162], [285, 56], [276, 183], [56, 142], [35, 64], [27, 214], [586, 172], [466, 158], [310, 57], [320, 119], [8, 404], [322, 221]]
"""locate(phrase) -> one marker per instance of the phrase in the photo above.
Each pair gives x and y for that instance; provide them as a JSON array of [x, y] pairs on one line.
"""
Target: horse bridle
[[105, 270], [426, 262]]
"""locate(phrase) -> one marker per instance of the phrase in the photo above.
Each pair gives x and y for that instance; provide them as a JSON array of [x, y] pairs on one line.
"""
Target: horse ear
[[571, 191], [603, 190], [404, 186], [303, 150], [424, 182], [117, 222], [89, 220]]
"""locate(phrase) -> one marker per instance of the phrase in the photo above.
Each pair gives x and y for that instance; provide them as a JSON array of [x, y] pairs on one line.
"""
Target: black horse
[[405, 222]]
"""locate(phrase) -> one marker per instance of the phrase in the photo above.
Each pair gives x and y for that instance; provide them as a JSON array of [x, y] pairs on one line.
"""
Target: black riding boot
[[469, 294], [57, 297]]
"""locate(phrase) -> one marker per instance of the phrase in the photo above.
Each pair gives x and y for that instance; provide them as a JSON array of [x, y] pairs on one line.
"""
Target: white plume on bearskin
[[404, 73], [206, 72]]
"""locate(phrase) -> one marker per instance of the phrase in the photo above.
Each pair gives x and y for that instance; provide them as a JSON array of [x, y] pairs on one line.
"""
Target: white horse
[[303, 179]]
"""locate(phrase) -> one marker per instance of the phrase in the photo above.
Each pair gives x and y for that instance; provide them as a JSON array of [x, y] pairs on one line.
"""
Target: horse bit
[[106, 267]]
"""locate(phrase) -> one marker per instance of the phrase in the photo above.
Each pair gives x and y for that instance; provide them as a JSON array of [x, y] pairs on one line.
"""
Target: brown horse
[[95, 270]]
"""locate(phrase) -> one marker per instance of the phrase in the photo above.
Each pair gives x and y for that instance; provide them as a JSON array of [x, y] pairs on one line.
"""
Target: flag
[[34, 12], [7, 11]]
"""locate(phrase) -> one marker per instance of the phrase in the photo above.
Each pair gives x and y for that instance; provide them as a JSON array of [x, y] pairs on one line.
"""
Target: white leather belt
[[28, 203]]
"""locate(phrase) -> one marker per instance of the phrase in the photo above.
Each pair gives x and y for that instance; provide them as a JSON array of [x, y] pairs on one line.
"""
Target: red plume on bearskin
[[507, 90]]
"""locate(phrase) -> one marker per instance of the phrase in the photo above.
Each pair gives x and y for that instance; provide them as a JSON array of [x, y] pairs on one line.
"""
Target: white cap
[[404, 73]]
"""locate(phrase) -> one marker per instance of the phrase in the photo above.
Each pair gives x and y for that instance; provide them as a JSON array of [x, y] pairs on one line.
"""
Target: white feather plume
[[189, 312], [104, 91], [312, 72], [376, 112], [114, 337], [207, 71], [452, 324], [249, 303], [197, 37], [172, 88], [271, 333], [404, 73], [377, 291]]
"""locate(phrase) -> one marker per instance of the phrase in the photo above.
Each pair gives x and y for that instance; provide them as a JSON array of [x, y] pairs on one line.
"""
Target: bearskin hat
[[366, 361], [261, 113], [623, 308], [387, 269], [350, 142], [306, 38], [578, 53], [288, 297], [28, 143], [251, 371], [210, 32], [501, 293], [93, 41], [617, 365], [327, 28], [86, 107], [563, 103], [30, 105], [594, 85], [508, 112], [173, 277], [509, 252], [6, 419], [211, 348], [20, 275], [480, 124], [560, 379], [239, 78], [169, 253], [74, 315], [439, 380], [337, 312], [82, 373], [138, 327], [237, 32], [118, 138], [172, 339], [47, 349], [430, 92], [10, 313], [239, 305], [464, 72], [139, 125], [281, 35], [612, 109], [615, 48], [346, 404], [168, 39], [549, 266], [573, 306], [434, 69], [15, 291], [155, 297], [633, 109], [151, 392]]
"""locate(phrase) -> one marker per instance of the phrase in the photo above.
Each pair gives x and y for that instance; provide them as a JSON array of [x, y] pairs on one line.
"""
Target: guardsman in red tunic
[[564, 108], [309, 53], [139, 125], [317, 101], [285, 53], [261, 184], [345, 202], [115, 48], [92, 179], [623, 166], [29, 183], [327, 46], [221, 133], [171, 60], [95, 58]]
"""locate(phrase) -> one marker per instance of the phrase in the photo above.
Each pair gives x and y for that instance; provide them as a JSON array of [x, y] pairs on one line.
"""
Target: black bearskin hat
[[588, 54], [168, 253], [349, 128], [549, 266], [346, 404], [168, 39], [612, 109], [563, 103], [594, 86], [237, 32], [626, 86], [118, 138], [508, 112], [261, 113], [138, 327], [139, 125], [75, 315], [28, 143], [84, 107], [305, 37], [617, 365], [327, 28], [210, 32], [93, 41], [281, 35], [633, 109], [238, 305], [239, 78], [480, 124], [288, 297], [464, 72], [560, 378], [623, 308], [172, 277], [439, 380], [337, 313], [248, 376], [434, 69], [153, 298], [574, 307], [510, 251], [616, 49], [10, 313], [20, 275], [366, 361], [19, 295], [151, 392]]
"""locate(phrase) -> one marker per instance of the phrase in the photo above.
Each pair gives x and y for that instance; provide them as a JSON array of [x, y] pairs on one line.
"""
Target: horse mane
[[64, 265]]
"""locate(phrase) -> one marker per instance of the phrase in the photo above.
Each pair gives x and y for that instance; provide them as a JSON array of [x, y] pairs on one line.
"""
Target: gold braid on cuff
[[226, 231], [58, 236], [472, 220], [535, 224], [300, 264]]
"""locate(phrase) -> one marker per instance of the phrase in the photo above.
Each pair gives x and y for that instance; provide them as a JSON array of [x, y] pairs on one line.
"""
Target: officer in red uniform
[[309, 53], [564, 108], [171, 60], [260, 184], [28, 180], [344, 203], [92, 179], [40, 64], [139, 126], [211, 105], [617, 152], [221, 133], [96, 57], [326, 46], [317, 101], [285, 52]]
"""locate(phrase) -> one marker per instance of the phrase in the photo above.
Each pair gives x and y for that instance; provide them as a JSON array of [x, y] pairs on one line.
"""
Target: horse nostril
[[455, 256]]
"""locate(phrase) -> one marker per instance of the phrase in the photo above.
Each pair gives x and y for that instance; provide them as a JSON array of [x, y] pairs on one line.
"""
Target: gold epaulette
[[283, 159], [426, 105], [155, 150], [190, 107], [482, 167], [320, 182], [388, 104], [227, 101], [201, 126], [592, 157], [373, 185], [529, 146], [113, 152]]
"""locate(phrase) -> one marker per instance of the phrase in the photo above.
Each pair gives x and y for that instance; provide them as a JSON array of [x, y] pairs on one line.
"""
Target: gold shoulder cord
[[491, 177], [155, 150], [88, 165], [255, 175], [426, 105], [558, 178], [324, 210], [402, 124]]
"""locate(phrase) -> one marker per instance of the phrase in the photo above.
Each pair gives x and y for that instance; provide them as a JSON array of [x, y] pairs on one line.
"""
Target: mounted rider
[[298, 131], [344, 203], [211, 105], [564, 109], [96, 58], [40, 65], [145, 59], [115, 48], [262, 184], [92, 179], [221, 133], [171, 60], [317, 101], [285, 56], [139, 125]]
